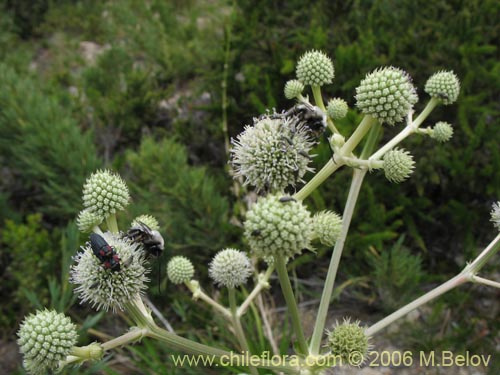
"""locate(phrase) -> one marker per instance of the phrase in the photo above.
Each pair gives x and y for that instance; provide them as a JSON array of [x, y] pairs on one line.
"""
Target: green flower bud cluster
[[87, 221], [272, 154], [442, 132], [104, 288], [105, 193], [46, 338], [180, 270], [443, 86], [327, 226], [348, 340], [398, 165], [278, 226], [149, 220], [230, 268], [337, 108], [315, 68], [293, 89], [386, 94]]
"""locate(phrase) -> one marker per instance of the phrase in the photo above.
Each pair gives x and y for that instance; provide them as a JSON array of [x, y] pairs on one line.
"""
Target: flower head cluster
[[337, 108], [105, 288], [495, 215], [230, 268], [180, 270], [149, 220], [443, 86], [398, 165], [278, 226], [348, 340], [442, 132], [293, 89], [315, 68], [327, 226], [386, 94], [45, 338], [272, 154], [105, 193], [87, 221]]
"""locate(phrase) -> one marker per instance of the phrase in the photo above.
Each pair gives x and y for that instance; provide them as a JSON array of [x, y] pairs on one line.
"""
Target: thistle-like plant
[[273, 156]]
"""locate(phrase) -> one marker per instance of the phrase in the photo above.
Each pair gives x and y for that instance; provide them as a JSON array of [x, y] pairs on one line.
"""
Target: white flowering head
[[386, 94], [273, 154], [443, 86], [149, 220], [442, 132], [230, 268], [180, 270], [337, 108], [105, 193], [327, 226], [45, 338], [293, 89], [315, 68], [349, 342], [87, 221], [105, 288], [495, 215], [398, 165], [278, 225]]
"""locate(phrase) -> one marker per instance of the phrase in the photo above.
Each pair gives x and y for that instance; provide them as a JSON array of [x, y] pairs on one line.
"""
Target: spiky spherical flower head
[[107, 289], [387, 94], [444, 86], [105, 193], [180, 270], [272, 154], [315, 68], [398, 165], [327, 226], [87, 220], [349, 341], [495, 215], [278, 225], [149, 220], [230, 268], [293, 89], [337, 108], [442, 131], [45, 338]]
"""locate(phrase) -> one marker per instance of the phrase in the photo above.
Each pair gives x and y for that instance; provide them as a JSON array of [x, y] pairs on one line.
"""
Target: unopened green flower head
[[278, 225], [398, 165], [386, 94], [149, 220], [107, 289], [293, 89], [272, 154], [349, 341], [45, 338], [180, 270], [105, 193], [444, 86], [230, 268], [315, 68], [442, 132], [337, 108], [87, 221], [495, 215], [327, 226]]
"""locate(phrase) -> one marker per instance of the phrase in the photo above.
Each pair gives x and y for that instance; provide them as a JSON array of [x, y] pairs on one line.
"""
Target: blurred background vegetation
[[142, 88]]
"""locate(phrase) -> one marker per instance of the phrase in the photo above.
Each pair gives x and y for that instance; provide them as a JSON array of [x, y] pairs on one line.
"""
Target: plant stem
[[434, 293], [291, 303], [481, 280], [240, 333], [317, 180], [318, 99], [485, 255], [112, 224], [194, 286], [261, 284]]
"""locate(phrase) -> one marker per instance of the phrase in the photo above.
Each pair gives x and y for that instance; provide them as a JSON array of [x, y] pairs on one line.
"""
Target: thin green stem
[[318, 179], [262, 283], [318, 99], [291, 303], [112, 224], [194, 286], [364, 126], [486, 254], [482, 280], [436, 292]]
